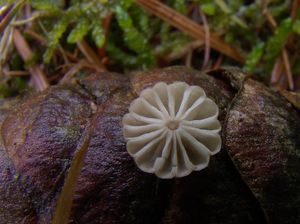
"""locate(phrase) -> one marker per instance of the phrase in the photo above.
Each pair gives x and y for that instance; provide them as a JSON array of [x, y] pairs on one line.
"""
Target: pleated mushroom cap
[[172, 130]]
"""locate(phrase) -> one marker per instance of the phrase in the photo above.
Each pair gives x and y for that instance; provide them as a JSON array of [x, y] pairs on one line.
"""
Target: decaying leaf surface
[[40, 142], [254, 179], [15, 206], [264, 141]]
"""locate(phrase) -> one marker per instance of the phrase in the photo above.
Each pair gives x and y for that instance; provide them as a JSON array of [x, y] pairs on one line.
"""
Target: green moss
[[138, 40]]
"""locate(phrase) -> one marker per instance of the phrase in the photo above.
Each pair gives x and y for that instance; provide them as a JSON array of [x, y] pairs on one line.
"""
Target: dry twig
[[16, 73], [294, 9], [188, 58], [285, 58], [90, 55], [207, 44], [288, 70], [218, 62], [37, 74], [73, 70], [106, 25], [188, 26], [276, 71], [36, 36]]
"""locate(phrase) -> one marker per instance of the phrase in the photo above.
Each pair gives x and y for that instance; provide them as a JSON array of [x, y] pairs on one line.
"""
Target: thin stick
[[188, 26], [16, 73], [11, 12], [287, 66], [188, 59], [68, 76], [90, 55], [207, 44], [218, 62], [294, 9], [37, 74], [270, 18], [36, 36], [276, 71], [106, 26], [284, 55]]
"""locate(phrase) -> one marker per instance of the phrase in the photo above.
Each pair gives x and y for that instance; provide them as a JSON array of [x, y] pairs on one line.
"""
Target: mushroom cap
[[172, 130]]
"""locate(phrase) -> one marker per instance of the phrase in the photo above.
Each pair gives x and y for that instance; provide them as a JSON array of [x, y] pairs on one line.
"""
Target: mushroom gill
[[172, 130]]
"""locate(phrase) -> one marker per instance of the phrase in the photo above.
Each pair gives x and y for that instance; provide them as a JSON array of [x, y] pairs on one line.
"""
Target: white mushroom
[[172, 130]]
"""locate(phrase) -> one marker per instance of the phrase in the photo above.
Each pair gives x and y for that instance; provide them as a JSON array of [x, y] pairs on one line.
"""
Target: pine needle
[[189, 26]]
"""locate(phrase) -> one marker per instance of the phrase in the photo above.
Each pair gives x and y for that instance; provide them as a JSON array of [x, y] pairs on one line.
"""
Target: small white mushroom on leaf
[[172, 130]]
